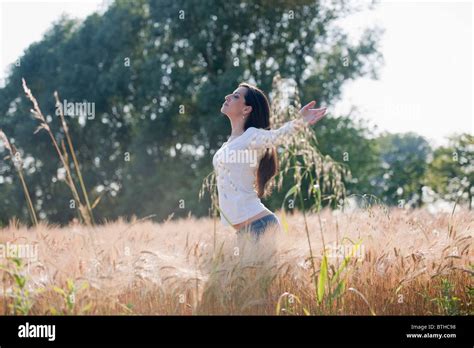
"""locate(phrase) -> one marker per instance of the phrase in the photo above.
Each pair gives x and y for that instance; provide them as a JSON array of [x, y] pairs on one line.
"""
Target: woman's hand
[[311, 116]]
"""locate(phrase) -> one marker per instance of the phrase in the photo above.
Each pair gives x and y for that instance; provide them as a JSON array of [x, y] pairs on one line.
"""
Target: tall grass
[[17, 161], [406, 262], [85, 211], [74, 158]]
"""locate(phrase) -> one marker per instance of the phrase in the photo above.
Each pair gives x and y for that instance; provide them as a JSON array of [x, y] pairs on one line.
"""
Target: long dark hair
[[260, 118]]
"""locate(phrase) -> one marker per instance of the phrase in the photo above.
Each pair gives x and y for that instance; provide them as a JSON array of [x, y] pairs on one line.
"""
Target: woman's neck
[[237, 128]]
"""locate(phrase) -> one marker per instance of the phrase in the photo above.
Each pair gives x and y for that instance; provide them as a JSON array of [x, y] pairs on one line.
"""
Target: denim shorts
[[257, 227]]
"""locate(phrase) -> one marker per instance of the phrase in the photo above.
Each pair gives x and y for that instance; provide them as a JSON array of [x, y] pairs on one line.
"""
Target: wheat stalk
[[73, 154], [44, 125], [14, 154]]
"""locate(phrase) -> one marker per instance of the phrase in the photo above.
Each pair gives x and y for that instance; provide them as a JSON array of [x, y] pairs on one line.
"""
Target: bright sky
[[425, 85]]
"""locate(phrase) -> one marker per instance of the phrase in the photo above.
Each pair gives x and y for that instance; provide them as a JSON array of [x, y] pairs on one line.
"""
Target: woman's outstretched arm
[[263, 138]]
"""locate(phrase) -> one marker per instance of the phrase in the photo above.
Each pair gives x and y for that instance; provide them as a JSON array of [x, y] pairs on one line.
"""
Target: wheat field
[[378, 262]]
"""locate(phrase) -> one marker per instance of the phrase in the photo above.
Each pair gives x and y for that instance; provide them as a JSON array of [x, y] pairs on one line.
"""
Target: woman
[[247, 160]]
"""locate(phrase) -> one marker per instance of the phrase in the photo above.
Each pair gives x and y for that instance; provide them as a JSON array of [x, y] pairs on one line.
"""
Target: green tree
[[403, 167], [451, 171]]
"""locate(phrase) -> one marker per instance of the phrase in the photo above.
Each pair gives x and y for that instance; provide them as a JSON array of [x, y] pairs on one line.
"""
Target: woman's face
[[234, 105]]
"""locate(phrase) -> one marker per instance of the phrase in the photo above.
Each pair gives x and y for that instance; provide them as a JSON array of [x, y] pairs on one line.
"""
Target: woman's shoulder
[[251, 133], [248, 131], [254, 130]]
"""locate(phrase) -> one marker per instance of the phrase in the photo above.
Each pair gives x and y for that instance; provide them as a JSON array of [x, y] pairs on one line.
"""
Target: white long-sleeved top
[[236, 164]]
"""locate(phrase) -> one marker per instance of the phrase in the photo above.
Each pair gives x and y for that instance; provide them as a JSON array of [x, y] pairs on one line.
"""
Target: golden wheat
[[182, 267]]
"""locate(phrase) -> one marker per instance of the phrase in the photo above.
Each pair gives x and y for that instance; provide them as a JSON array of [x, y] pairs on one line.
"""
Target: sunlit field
[[377, 262]]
